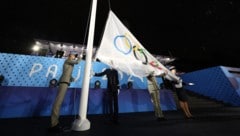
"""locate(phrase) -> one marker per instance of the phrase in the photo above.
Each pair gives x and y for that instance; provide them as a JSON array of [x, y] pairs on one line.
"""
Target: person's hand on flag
[[92, 73]]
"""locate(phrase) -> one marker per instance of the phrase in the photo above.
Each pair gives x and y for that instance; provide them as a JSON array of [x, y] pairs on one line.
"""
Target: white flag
[[121, 50]]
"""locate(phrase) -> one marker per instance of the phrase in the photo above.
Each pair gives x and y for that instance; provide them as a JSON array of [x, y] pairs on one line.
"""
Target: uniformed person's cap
[[172, 67], [73, 53]]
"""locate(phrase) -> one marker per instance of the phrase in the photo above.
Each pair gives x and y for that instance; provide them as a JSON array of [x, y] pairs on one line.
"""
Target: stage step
[[198, 101]]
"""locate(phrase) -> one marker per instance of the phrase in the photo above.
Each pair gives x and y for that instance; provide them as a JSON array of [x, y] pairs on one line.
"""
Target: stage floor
[[208, 122]]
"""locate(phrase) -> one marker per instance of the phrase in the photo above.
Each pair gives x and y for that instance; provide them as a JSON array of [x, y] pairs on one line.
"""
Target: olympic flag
[[121, 50]]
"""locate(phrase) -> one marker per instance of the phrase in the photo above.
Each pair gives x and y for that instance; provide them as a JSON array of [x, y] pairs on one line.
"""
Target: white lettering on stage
[[35, 68], [52, 69]]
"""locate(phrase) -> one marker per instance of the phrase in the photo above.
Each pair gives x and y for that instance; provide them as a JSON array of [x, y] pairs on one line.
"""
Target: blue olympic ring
[[128, 44]]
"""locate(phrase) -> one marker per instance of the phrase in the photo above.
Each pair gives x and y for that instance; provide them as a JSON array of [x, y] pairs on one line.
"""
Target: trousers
[[156, 104], [58, 103]]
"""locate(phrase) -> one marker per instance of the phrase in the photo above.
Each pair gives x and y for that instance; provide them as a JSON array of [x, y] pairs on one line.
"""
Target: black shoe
[[55, 129], [116, 122], [108, 122], [189, 118], [161, 119], [193, 117]]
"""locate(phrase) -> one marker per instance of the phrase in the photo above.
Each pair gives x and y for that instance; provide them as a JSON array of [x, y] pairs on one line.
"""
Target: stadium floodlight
[[36, 48]]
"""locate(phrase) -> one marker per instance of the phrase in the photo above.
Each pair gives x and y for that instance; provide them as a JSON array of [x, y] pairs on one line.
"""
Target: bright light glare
[[190, 83], [38, 43], [36, 48]]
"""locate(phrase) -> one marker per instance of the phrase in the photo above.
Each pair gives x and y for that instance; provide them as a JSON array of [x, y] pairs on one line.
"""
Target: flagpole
[[82, 123]]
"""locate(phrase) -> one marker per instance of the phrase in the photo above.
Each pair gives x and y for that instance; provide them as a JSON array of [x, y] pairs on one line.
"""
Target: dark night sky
[[200, 33]]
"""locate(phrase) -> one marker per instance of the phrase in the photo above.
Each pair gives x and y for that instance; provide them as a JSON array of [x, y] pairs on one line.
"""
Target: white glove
[[92, 73], [179, 81], [191, 84]]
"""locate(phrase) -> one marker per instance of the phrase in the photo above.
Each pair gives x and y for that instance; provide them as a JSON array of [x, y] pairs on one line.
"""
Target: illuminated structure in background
[[56, 49], [62, 49]]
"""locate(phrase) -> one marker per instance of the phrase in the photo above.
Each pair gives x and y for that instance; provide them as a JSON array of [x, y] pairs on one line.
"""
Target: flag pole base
[[81, 125]]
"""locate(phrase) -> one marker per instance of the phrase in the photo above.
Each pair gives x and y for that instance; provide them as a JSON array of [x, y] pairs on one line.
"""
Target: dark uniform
[[112, 92]]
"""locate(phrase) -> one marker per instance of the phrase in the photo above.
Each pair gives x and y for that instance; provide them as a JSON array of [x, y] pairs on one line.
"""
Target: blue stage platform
[[37, 101]]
